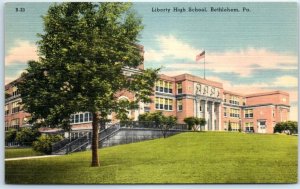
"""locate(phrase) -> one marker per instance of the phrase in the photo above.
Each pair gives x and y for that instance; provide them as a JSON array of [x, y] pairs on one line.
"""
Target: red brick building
[[184, 96]]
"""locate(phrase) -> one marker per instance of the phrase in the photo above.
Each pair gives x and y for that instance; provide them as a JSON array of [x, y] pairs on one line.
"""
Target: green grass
[[210, 157], [20, 152]]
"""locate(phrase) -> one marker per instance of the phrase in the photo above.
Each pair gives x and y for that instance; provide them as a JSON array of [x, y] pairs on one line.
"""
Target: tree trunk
[[95, 140]]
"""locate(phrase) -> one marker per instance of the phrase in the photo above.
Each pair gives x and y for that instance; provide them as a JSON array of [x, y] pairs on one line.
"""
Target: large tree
[[82, 53]]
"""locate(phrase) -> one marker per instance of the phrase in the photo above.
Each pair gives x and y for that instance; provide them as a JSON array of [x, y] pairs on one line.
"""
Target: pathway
[[30, 157]]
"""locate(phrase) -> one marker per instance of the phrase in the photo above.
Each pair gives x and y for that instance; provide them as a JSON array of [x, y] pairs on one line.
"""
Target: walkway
[[30, 157]]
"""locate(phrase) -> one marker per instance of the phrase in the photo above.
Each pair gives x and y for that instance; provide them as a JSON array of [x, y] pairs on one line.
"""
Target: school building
[[184, 96]]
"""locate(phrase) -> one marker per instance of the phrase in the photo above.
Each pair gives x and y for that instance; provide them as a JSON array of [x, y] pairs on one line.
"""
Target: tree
[[82, 54], [190, 121], [26, 136], [10, 135], [202, 122], [160, 121], [44, 143], [289, 126], [167, 123], [229, 126]]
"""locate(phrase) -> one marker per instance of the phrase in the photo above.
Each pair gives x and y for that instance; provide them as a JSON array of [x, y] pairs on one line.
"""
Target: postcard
[[151, 92]]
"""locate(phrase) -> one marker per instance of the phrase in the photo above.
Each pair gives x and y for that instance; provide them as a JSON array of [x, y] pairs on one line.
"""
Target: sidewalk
[[30, 157]]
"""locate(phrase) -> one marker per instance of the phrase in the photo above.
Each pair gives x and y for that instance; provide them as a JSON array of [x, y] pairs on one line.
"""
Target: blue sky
[[247, 51]]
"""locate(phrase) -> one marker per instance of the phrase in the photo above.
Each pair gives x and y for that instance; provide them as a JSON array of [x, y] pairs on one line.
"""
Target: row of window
[[167, 87], [81, 118], [233, 112], [163, 103], [234, 100], [15, 108], [167, 104], [163, 86], [236, 112], [234, 126]]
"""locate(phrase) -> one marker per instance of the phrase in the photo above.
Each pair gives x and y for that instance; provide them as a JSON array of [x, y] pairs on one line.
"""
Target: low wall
[[130, 135]]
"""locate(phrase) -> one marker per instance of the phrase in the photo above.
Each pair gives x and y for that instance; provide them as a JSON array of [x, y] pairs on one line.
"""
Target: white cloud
[[170, 47], [241, 62], [21, 52], [287, 81]]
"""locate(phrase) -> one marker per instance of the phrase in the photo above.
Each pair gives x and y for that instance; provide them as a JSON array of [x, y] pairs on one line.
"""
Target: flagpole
[[204, 65]]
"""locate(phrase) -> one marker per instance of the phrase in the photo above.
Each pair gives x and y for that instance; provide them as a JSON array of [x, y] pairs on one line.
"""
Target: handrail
[[69, 145]]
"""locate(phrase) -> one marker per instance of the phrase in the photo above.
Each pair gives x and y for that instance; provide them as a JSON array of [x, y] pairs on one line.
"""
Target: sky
[[248, 51]]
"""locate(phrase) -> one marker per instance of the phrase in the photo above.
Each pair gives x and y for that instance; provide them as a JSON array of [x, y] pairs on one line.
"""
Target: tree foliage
[[82, 53], [10, 135], [26, 136], [229, 126], [290, 127], [44, 143], [160, 121], [192, 122]]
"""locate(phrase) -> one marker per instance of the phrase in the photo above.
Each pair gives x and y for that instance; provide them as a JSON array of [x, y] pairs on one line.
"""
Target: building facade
[[184, 96]]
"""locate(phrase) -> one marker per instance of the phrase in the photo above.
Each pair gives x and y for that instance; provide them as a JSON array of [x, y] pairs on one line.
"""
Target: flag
[[200, 56]]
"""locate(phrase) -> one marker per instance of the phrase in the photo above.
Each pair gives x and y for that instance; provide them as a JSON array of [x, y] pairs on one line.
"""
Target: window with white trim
[[179, 88], [234, 112], [249, 113], [163, 103], [179, 105], [234, 100], [6, 109], [15, 107], [249, 127], [82, 117], [163, 86]]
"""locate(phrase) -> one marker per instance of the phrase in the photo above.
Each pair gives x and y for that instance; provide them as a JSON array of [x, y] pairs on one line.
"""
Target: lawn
[[206, 157], [20, 152]]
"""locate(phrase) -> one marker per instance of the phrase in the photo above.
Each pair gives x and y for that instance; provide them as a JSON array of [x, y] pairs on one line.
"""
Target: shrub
[[44, 143], [290, 126], [26, 136], [10, 135]]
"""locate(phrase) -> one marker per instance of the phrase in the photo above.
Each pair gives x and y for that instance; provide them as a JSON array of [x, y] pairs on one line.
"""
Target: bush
[[44, 143], [10, 135], [289, 126], [26, 136]]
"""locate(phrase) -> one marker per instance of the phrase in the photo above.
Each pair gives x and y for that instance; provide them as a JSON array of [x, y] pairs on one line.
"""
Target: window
[[163, 86], [179, 105], [179, 88], [225, 112], [235, 126], [86, 117], [234, 112], [15, 91], [15, 107], [163, 103], [225, 125], [262, 124], [249, 127], [81, 118], [6, 125], [6, 110], [273, 112], [15, 123], [249, 113], [234, 100]]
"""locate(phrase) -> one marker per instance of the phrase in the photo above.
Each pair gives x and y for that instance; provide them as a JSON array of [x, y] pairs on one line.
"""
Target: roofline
[[234, 93], [199, 79], [267, 93]]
